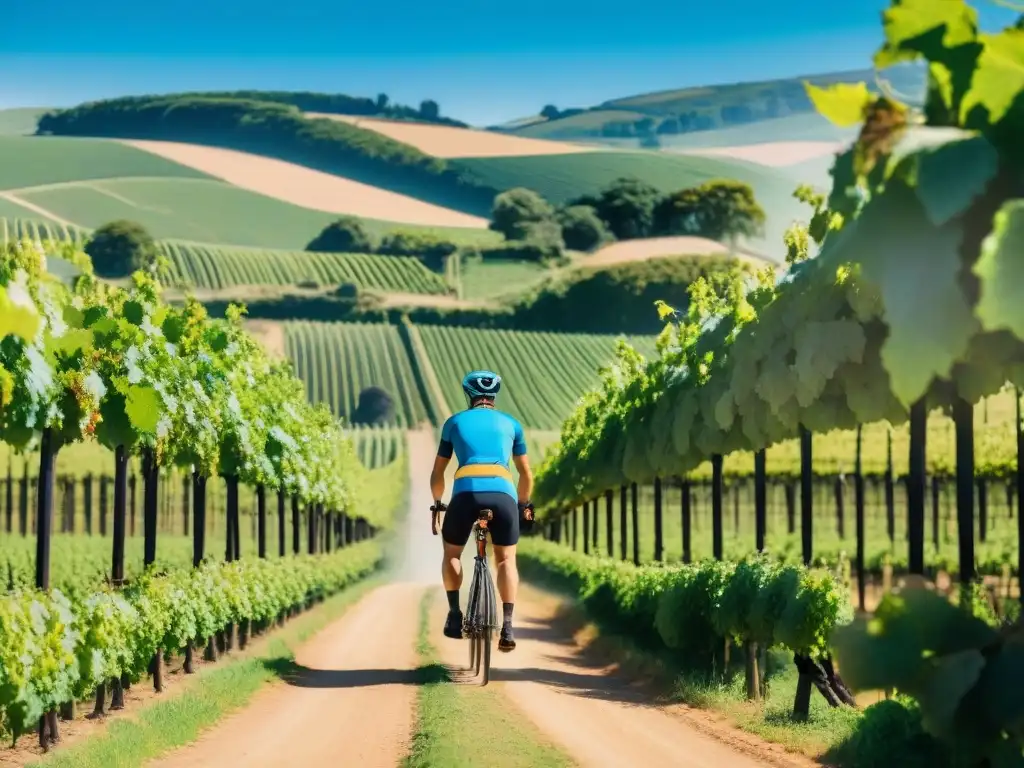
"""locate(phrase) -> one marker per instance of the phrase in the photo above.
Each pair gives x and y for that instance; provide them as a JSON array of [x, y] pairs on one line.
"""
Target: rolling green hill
[[204, 211], [29, 161], [708, 109]]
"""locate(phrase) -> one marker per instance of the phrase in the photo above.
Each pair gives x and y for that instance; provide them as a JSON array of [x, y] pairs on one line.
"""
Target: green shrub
[[120, 248], [430, 249], [582, 228], [346, 234]]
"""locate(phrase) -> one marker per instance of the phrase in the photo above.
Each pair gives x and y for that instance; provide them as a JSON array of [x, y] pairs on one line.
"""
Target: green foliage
[[962, 672], [516, 208], [121, 247], [346, 235], [432, 250], [626, 206], [691, 609], [582, 228], [718, 210], [54, 650]]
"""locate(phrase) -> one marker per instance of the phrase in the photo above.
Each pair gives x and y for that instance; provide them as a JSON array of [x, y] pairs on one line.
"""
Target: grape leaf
[[999, 76], [926, 28], [143, 408], [842, 104], [949, 177], [18, 315], [1000, 269], [945, 687], [915, 266], [133, 312]]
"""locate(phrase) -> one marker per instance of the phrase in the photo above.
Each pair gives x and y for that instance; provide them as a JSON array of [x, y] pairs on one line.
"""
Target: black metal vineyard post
[[281, 535], [186, 494], [199, 518], [622, 522], [150, 500], [120, 513], [87, 501], [610, 534], [261, 520], [9, 499], [295, 525], [132, 483], [44, 512], [659, 528], [890, 492], [760, 499], [716, 506], [686, 514], [594, 524], [635, 505], [916, 485], [858, 501], [806, 495], [586, 527], [963, 421]]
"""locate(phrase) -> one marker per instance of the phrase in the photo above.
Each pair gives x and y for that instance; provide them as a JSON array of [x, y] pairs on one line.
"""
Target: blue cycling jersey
[[483, 436]]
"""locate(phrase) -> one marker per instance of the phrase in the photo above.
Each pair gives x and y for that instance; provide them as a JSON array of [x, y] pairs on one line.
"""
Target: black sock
[[506, 609], [453, 599]]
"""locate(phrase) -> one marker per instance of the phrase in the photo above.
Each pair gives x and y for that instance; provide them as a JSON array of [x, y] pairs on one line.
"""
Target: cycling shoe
[[453, 626], [507, 641]]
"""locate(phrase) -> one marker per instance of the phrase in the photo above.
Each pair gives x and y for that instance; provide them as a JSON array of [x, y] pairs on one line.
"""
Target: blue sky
[[484, 61]]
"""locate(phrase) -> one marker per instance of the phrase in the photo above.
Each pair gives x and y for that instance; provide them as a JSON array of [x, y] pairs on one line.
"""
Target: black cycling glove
[[526, 520]]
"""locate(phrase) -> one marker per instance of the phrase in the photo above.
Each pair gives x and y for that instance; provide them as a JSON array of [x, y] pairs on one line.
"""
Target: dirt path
[[599, 717]]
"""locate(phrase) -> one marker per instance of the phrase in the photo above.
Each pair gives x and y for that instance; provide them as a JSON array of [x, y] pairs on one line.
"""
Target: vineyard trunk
[[760, 499], [100, 707], [261, 520], [963, 421], [634, 504], [586, 527], [281, 536], [610, 534], [858, 501], [44, 513], [199, 512], [659, 543], [120, 500], [686, 514], [622, 523], [716, 506], [806, 494], [753, 675], [150, 504]]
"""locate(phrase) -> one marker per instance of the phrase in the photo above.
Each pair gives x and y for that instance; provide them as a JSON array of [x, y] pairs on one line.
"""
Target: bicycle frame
[[481, 613]]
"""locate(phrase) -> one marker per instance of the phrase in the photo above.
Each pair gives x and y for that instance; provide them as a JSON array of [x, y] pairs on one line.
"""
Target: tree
[[382, 102], [719, 210], [429, 110], [550, 112], [345, 235], [121, 247], [546, 235], [582, 228], [626, 207], [375, 408], [515, 208]]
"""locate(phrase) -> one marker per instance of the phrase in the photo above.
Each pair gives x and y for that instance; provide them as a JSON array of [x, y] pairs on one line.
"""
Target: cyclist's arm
[[525, 488], [437, 476], [522, 464], [444, 455]]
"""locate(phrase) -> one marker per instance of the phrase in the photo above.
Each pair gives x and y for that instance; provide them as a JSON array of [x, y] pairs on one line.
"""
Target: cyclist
[[483, 440]]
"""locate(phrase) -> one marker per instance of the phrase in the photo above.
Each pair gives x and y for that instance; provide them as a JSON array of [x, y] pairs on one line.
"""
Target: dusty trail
[[350, 700], [600, 718]]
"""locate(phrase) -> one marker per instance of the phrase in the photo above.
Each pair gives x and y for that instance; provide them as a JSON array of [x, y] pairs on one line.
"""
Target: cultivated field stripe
[[36, 209]]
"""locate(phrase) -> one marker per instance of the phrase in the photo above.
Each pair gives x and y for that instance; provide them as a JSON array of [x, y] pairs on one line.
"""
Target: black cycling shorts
[[463, 512]]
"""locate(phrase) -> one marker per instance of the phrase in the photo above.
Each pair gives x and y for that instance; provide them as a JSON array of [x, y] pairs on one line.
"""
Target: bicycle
[[481, 617]]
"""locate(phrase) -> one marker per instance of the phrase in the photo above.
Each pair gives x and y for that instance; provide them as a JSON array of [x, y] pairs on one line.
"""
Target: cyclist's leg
[[455, 530], [505, 537]]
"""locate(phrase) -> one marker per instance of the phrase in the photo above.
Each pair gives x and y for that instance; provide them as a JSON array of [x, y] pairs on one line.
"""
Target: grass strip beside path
[[467, 725], [216, 691]]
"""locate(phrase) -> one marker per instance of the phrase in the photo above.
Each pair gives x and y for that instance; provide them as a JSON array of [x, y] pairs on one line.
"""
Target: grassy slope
[[20, 121], [562, 177], [205, 211], [33, 161]]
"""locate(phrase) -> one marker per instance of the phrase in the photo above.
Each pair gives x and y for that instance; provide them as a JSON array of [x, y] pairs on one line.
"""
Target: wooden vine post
[[634, 504], [686, 514], [659, 539], [716, 506], [858, 503], [609, 532], [586, 528], [963, 421], [622, 523], [806, 495], [150, 511], [760, 499], [916, 486]]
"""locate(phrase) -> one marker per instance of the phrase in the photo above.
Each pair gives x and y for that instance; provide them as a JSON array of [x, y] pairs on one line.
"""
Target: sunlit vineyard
[[223, 266], [37, 229], [543, 374], [339, 360]]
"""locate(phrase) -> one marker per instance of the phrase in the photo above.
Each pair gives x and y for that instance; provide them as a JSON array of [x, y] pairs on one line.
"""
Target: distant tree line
[[629, 209], [275, 130]]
